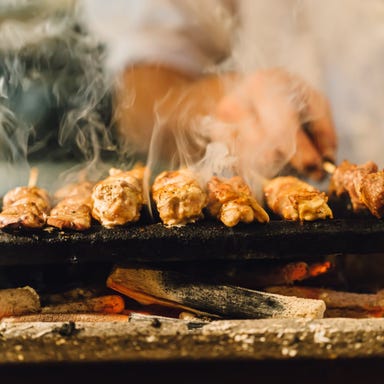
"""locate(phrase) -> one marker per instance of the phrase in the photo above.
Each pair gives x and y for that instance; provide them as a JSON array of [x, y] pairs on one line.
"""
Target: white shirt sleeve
[[146, 31]]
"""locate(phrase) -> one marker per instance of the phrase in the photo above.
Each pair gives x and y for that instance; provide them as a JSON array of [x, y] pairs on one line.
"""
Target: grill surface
[[206, 240]]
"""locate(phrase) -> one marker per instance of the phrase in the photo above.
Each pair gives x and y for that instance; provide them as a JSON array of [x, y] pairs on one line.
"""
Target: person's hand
[[273, 117]]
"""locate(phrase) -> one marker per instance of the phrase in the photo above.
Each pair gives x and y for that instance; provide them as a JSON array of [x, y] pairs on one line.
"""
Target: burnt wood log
[[170, 288], [338, 303]]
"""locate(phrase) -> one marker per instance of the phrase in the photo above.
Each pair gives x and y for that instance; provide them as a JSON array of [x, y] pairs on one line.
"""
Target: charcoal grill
[[251, 347]]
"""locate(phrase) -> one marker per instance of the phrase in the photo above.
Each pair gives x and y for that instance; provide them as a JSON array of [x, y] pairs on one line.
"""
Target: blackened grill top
[[205, 240]]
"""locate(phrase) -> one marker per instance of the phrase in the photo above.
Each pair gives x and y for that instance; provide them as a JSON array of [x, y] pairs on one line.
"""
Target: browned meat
[[231, 201], [118, 199], [347, 180], [179, 197], [372, 193], [74, 190], [73, 211], [26, 207], [137, 171], [294, 199]]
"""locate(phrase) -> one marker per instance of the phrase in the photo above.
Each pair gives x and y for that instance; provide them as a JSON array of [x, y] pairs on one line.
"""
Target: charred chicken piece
[[118, 199], [348, 178], [74, 207], [179, 197], [25, 207], [231, 201], [372, 193], [294, 199]]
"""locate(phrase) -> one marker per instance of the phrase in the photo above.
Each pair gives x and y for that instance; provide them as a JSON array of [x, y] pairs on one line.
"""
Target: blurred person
[[183, 79], [136, 76]]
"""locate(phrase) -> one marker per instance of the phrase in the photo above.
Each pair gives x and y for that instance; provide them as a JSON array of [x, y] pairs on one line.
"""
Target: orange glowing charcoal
[[319, 268], [262, 275], [295, 272], [102, 304], [259, 276]]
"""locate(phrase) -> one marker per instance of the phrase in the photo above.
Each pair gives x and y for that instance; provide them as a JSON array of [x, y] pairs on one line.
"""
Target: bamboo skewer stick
[[329, 167], [33, 176]]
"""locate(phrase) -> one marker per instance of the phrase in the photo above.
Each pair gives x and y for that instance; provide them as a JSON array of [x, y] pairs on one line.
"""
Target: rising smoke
[[54, 102], [57, 60], [336, 47]]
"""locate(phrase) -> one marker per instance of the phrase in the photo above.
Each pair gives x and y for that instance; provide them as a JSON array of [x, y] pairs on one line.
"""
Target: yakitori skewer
[[25, 206]]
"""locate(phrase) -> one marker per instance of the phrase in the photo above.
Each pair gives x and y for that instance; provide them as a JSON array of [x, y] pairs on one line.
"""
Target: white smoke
[[337, 46], [53, 91]]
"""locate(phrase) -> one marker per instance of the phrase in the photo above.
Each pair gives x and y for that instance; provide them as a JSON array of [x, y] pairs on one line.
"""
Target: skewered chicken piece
[[372, 193], [118, 199], [26, 206], [178, 196], [73, 211], [137, 171], [231, 201], [294, 199], [349, 178]]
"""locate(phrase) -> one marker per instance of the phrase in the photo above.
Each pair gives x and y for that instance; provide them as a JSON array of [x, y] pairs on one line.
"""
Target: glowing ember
[[319, 268]]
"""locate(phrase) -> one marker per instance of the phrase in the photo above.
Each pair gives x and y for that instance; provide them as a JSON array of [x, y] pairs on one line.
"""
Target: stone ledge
[[162, 339]]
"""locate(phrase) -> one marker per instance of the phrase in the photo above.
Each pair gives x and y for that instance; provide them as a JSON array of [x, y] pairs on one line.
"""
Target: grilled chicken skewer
[[74, 207], [118, 199], [231, 201], [179, 197], [26, 206], [372, 193], [294, 199], [364, 185]]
